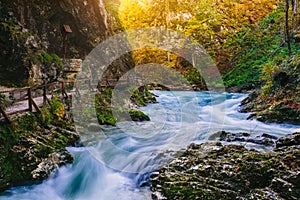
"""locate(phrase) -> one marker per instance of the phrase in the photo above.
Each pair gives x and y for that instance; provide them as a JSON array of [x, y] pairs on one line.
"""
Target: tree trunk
[[287, 32]]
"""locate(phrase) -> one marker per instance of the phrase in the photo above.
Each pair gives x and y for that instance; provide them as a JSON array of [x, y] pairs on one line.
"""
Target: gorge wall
[[31, 33]]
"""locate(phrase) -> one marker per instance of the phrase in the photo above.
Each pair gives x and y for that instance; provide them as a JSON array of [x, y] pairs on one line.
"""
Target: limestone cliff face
[[29, 26]]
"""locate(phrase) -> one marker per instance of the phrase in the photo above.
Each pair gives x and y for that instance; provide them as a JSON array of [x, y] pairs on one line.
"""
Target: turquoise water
[[117, 164]]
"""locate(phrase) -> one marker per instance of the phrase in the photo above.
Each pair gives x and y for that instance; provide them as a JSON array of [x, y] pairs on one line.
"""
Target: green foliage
[[26, 123], [223, 28], [45, 116], [103, 110], [253, 48], [3, 101], [137, 97], [193, 76], [57, 109], [269, 69], [11, 26], [54, 114], [8, 136], [45, 58], [106, 117]]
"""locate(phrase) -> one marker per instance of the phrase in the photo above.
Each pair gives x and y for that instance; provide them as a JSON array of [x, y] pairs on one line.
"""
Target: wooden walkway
[[30, 99]]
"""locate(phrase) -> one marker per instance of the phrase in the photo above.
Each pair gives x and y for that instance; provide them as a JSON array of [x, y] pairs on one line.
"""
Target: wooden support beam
[[76, 89], [29, 99], [35, 106], [44, 95], [48, 101], [63, 91]]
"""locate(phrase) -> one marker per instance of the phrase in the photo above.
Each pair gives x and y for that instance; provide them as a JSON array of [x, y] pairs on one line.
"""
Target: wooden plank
[[13, 89], [18, 111], [20, 100]]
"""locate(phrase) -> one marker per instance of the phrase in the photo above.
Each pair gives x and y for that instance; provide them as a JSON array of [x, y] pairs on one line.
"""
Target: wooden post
[[65, 31], [76, 89], [63, 91], [44, 95], [90, 85], [29, 99]]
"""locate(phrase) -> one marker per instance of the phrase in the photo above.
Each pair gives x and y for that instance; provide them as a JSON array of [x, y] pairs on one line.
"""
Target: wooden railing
[[31, 98], [28, 99]]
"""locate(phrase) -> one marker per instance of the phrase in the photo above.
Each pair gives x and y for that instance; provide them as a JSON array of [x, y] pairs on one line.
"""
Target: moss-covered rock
[[137, 115], [33, 146], [278, 101], [216, 171], [105, 115]]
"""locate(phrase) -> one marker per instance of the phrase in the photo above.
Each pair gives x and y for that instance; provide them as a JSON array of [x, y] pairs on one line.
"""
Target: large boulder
[[217, 171]]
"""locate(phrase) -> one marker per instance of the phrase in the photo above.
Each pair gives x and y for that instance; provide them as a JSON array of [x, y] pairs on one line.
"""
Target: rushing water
[[117, 166]]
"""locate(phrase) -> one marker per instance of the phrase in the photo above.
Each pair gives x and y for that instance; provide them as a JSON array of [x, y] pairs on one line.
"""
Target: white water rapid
[[117, 166]]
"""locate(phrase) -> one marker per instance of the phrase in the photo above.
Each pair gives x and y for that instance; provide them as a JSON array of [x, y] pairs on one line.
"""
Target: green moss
[[223, 172], [104, 113], [43, 151], [44, 57], [106, 117], [27, 141], [137, 115]]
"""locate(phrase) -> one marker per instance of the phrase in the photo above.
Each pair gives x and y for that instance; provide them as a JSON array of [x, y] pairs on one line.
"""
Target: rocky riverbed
[[31, 150], [278, 101], [33, 145], [218, 170]]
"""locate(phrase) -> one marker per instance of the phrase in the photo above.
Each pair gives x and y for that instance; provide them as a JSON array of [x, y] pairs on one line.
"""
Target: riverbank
[[214, 170], [278, 99], [33, 145], [101, 171]]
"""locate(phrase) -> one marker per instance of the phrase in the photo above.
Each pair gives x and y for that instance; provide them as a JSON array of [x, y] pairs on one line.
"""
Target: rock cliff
[[31, 33]]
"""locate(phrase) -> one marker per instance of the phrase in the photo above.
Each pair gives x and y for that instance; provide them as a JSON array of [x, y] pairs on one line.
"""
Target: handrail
[[30, 93], [29, 97]]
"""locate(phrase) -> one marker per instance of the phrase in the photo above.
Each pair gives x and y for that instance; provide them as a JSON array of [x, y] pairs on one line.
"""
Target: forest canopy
[[209, 22]]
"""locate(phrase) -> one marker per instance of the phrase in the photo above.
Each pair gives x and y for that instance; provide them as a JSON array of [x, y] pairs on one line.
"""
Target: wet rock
[[94, 127], [248, 104], [72, 67], [264, 139], [285, 189], [137, 115], [216, 171], [50, 164], [290, 140]]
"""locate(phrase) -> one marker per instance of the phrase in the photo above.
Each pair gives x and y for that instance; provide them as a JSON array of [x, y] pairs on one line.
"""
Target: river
[[117, 166]]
